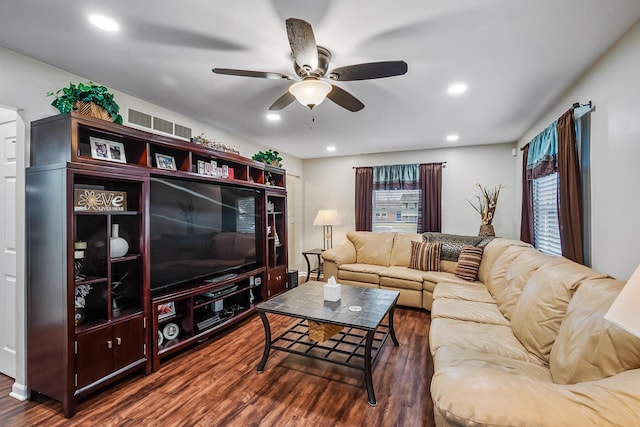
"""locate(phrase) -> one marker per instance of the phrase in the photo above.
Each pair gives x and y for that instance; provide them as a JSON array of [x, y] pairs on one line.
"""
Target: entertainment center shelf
[[192, 315], [147, 244]]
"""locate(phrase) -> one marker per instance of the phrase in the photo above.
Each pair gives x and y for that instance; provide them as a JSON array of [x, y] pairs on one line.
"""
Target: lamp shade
[[327, 217], [625, 310], [310, 92]]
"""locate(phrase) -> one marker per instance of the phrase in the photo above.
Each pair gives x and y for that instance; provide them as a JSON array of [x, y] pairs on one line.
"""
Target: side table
[[317, 252]]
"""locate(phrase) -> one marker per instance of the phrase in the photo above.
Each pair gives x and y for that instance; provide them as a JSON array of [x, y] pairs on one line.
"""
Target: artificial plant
[[269, 157], [67, 97]]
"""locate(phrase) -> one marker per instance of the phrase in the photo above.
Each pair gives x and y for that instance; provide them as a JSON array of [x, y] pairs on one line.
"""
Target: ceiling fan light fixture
[[310, 92]]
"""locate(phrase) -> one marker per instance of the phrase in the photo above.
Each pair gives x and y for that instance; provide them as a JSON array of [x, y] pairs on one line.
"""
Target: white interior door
[[8, 242]]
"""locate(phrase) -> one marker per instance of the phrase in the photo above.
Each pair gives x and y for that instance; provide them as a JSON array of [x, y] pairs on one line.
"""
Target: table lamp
[[327, 218], [625, 310]]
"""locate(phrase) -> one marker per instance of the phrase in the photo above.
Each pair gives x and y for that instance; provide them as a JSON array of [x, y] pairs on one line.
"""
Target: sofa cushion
[[470, 311], [343, 254], [469, 262], [433, 278], [588, 347], [401, 252], [543, 304], [360, 272], [425, 256], [496, 259], [451, 357], [453, 243], [372, 248], [482, 337], [463, 291], [525, 263], [401, 277]]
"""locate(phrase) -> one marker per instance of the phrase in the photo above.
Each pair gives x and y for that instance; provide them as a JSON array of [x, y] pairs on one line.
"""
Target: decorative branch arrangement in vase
[[486, 207]]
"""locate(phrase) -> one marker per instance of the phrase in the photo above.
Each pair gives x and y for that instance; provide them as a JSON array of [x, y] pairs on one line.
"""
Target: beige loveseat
[[526, 344]]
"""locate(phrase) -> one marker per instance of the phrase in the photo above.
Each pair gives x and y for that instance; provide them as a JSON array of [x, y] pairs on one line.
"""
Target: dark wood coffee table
[[357, 345]]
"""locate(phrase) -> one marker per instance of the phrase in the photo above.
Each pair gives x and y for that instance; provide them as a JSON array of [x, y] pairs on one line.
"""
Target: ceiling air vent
[[151, 122], [162, 125], [138, 118], [182, 131]]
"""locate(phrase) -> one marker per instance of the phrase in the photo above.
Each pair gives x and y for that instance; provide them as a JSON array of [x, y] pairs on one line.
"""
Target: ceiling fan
[[311, 63]]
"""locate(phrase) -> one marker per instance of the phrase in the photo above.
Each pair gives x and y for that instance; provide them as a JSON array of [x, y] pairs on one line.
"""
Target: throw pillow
[[425, 256], [452, 243], [469, 262]]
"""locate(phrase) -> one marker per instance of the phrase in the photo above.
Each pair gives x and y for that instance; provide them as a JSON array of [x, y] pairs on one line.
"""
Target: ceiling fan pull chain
[[313, 121]]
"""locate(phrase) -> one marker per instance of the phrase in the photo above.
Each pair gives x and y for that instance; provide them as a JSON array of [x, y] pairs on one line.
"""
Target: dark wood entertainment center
[[92, 316]]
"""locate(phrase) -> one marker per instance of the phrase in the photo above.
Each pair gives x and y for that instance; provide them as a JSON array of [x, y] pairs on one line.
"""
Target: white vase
[[119, 246]]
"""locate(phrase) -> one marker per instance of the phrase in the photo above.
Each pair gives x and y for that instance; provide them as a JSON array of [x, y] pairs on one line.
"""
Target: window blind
[[546, 228]]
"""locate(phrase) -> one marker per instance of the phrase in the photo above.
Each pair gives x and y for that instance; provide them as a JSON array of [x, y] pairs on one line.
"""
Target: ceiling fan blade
[[371, 70], [345, 99], [303, 43], [282, 102], [247, 73]]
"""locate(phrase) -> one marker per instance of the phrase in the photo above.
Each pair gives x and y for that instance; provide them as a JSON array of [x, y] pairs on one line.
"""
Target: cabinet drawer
[[277, 281]]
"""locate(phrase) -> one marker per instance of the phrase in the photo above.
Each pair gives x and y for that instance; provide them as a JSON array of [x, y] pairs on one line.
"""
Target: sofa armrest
[[468, 396], [343, 254]]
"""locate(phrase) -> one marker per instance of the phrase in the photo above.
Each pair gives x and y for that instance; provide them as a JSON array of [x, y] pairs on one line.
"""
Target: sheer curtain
[[364, 193]]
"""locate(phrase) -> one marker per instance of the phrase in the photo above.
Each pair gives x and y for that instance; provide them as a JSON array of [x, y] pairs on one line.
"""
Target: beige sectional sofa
[[524, 345]]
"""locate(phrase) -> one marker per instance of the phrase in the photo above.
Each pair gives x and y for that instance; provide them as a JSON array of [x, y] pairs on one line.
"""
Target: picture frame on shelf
[[166, 310], [103, 149], [165, 162]]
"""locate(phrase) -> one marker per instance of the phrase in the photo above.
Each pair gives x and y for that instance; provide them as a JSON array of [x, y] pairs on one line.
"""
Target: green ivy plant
[[269, 157], [89, 92]]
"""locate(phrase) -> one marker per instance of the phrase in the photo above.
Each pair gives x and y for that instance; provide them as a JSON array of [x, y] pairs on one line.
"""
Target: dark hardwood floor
[[216, 384]]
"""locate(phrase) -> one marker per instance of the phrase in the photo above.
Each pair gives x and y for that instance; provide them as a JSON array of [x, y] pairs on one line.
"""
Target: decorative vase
[[119, 246], [486, 230]]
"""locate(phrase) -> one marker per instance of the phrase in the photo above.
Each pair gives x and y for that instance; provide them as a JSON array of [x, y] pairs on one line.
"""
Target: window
[[544, 192], [396, 210], [546, 230]]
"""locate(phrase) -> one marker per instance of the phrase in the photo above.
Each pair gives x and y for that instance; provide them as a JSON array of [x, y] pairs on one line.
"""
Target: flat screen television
[[201, 230]]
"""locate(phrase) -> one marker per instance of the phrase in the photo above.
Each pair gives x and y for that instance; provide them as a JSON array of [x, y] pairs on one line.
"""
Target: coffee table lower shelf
[[351, 347]]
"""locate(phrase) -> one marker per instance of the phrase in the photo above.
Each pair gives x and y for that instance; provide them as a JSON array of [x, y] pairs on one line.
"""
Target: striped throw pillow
[[425, 256], [469, 262]]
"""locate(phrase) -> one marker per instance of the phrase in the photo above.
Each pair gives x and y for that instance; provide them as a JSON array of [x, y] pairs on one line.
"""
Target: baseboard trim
[[19, 392]]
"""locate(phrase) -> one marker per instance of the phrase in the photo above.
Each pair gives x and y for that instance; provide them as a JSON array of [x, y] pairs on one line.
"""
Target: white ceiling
[[516, 56]]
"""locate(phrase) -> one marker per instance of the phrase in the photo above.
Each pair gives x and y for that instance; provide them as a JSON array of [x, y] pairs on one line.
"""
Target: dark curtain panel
[[430, 179], [364, 202], [570, 190], [526, 220]]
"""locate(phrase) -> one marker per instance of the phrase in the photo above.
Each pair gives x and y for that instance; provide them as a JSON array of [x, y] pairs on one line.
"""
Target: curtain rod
[[444, 164], [574, 106]]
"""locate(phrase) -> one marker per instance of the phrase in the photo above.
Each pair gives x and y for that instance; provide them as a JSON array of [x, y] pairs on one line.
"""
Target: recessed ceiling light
[[273, 117], [331, 148], [452, 138], [104, 23], [457, 88]]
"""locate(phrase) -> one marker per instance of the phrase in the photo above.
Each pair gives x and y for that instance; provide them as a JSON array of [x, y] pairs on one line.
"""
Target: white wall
[[329, 183], [614, 87]]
